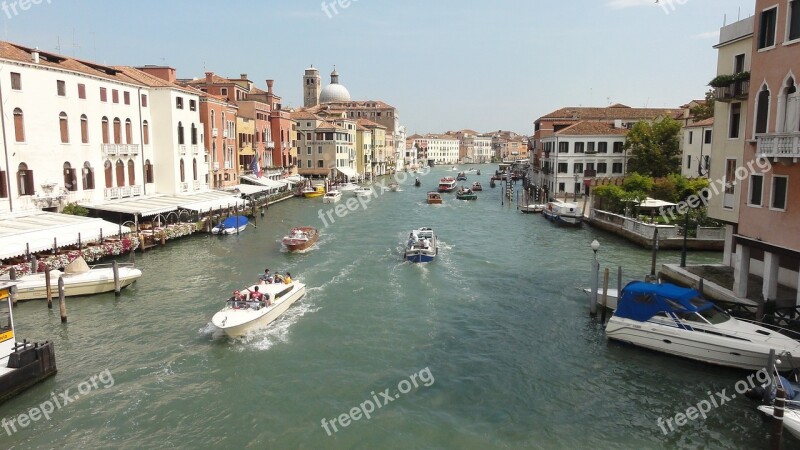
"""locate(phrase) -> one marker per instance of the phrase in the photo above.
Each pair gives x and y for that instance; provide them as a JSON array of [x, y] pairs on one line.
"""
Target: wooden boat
[[434, 198], [300, 238], [476, 186]]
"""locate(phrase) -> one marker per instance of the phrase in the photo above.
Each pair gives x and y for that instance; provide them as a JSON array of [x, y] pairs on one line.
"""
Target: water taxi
[[434, 198], [300, 238], [256, 307], [447, 184], [332, 197]]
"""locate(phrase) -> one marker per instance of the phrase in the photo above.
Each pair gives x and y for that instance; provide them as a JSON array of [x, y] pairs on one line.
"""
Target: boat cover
[[640, 301], [234, 222], [78, 265]]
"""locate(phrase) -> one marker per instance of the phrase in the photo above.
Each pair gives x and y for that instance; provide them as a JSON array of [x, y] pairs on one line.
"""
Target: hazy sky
[[445, 64]]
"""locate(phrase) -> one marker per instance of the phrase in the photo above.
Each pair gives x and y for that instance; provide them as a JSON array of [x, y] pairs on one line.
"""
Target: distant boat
[[394, 187], [476, 186], [300, 238], [466, 194], [332, 197], [461, 176], [492, 183], [231, 225], [363, 192], [534, 208], [478, 172], [562, 213], [421, 246], [447, 184], [417, 183], [319, 191], [434, 198]]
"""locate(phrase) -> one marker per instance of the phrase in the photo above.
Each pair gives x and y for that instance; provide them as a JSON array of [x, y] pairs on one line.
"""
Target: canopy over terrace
[[271, 185], [38, 231], [153, 206], [348, 172]]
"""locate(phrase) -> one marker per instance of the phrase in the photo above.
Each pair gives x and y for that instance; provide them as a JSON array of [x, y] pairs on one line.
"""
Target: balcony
[[735, 91], [228, 165], [216, 165], [112, 193], [214, 132], [195, 150], [183, 187], [182, 150], [110, 150], [270, 144], [128, 149], [779, 145]]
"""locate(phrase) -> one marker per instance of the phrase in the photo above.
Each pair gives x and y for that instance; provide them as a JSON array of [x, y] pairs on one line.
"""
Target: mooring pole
[[12, 275], [117, 285], [48, 286], [62, 302], [605, 297], [777, 419], [655, 253]]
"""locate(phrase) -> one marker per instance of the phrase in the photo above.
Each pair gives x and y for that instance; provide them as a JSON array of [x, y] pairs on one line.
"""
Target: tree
[[654, 148], [706, 110], [75, 210]]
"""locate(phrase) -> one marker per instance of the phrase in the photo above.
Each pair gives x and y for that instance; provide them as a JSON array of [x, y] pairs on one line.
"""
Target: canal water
[[489, 346]]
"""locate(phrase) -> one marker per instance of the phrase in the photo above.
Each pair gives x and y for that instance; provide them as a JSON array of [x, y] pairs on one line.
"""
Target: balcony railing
[[183, 187], [195, 150], [110, 150], [182, 150], [216, 165], [270, 144], [779, 145], [111, 193], [737, 90]]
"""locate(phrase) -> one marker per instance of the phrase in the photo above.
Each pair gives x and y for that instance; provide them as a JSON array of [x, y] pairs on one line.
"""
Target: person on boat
[[278, 278], [236, 296], [256, 295], [287, 279], [265, 276]]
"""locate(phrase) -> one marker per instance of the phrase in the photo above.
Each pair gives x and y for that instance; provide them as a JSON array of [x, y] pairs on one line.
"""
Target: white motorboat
[[231, 225], [791, 419], [346, 187], [363, 192], [332, 197], [243, 312], [679, 321], [562, 213], [79, 279], [394, 187], [422, 246], [534, 208], [611, 296]]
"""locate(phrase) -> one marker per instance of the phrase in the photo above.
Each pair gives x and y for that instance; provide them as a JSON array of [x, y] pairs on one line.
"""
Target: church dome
[[334, 92]]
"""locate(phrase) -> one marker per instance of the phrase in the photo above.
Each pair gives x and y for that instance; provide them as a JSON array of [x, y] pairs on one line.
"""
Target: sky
[[444, 64]]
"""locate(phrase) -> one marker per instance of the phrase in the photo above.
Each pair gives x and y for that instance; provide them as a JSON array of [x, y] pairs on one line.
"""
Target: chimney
[[209, 77], [35, 55], [243, 76], [269, 86]]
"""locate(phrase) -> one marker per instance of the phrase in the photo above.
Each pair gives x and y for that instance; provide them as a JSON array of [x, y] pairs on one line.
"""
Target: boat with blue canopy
[[231, 225]]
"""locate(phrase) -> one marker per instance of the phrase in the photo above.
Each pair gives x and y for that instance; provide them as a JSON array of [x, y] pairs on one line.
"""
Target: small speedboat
[[447, 184], [434, 198], [476, 186], [245, 311], [231, 225], [478, 172], [79, 279], [346, 187], [421, 246], [319, 191], [679, 321], [332, 197], [394, 187], [300, 238], [363, 192], [492, 183], [461, 176], [533, 208], [466, 194]]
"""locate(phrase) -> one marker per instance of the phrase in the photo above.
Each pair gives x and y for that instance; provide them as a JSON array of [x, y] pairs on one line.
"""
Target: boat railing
[[777, 328]]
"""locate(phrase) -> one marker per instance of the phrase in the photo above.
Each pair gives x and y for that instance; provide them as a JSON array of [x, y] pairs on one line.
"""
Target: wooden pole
[[604, 302], [55, 246], [700, 286], [62, 302], [48, 286], [12, 275], [655, 253], [619, 282], [777, 419], [593, 287], [34, 264], [117, 285], [80, 246]]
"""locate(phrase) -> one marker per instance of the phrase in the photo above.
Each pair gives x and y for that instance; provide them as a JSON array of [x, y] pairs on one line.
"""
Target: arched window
[[762, 110], [62, 123], [108, 169], [183, 172], [148, 172], [88, 176], [194, 135], [70, 178], [146, 133], [180, 134], [104, 126], [120, 169], [194, 169], [213, 119], [24, 180], [131, 173], [19, 125], [84, 129], [128, 132], [788, 108], [117, 131]]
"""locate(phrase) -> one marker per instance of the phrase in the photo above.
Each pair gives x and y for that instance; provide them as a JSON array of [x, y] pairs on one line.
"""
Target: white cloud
[[622, 4]]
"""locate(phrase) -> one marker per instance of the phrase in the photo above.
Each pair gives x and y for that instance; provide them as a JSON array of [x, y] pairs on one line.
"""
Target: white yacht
[[363, 192], [332, 197], [245, 311], [679, 321]]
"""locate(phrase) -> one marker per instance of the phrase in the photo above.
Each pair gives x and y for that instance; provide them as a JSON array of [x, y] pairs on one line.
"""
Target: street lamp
[[595, 247]]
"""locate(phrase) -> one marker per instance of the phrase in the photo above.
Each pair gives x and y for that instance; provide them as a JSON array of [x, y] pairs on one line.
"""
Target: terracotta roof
[[702, 123], [303, 115], [369, 124], [215, 79], [611, 113], [587, 128], [151, 80]]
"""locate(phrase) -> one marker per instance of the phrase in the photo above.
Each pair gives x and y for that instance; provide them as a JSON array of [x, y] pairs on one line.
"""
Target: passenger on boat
[[256, 296], [278, 278], [265, 277], [236, 296], [288, 278]]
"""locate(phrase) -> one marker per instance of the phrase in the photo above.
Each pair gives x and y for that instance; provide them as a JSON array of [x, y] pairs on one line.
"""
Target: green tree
[[636, 182], [706, 110], [75, 209], [654, 148]]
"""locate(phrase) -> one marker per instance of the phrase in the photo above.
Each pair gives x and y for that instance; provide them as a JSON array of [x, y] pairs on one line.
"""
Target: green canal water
[[490, 346]]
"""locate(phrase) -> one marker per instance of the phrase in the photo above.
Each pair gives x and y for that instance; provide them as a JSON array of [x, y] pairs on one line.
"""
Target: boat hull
[[237, 323], [566, 220], [295, 245], [791, 419], [224, 231], [419, 257], [33, 287]]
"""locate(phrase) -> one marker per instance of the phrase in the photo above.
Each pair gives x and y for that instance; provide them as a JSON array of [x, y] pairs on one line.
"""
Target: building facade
[[696, 142]]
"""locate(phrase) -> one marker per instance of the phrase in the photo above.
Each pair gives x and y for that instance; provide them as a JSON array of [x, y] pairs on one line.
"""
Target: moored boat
[[422, 246], [434, 198], [300, 238], [79, 279], [231, 225], [679, 321], [332, 197], [476, 186], [562, 213], [318, 191], [346, 187], [466, 194], [533, 208], [363, 192], [247, 311], [447, 184], [478, 172]]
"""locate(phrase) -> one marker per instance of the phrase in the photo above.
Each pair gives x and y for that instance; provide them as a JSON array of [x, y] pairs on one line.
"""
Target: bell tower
[[311, 87]]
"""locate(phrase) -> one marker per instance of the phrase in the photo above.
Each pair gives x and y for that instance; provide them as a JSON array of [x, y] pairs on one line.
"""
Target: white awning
[[653, 203], [144, 206], [211, 200], [248, 189], [37, 230], [351, 173], [263, 181]]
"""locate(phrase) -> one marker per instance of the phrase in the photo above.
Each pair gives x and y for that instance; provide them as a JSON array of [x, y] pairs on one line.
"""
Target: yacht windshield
[[715, 315]]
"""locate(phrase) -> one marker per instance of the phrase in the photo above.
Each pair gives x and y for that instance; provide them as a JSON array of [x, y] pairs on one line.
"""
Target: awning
[[351, 173], [145, 206], [38, 229], [653, 203], [211, 200], [248, 189], [263, 181]]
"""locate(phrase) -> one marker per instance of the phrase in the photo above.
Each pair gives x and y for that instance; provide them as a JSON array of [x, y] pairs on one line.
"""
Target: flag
[[255, 167]]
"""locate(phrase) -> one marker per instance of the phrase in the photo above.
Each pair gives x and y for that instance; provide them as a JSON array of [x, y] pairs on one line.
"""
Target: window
[[319, 164], [19, 125], [117, 130], [88, 176], [180, 135], [762, 110], [616, 167], [84, 129], [561, 187], [730, 176], [563, 167], [577, 168], [707, 137], [144, 100], [194, 169], [70, 178], [618, 147], [691, 137], [756, 187], [779, 185], [126, 97], [183, 171], [738, 63], [24, 180], [602, 147], [689, 162], [81, 91], [192, 105], [103, 95], [308, 150], [128, 131], [131, 173], [602, 167], [16, 81], [120, 168], [735, 118], [194, 136], [62, 123], [224, 92], [3, 185], [563, 147], [319, 150], [766, 30], [104, 127], [579, 147], [179, 102], [109, 174], [148, 172], [114, 96], [61, 88], [794, 20], [145, 133], [590, 147]]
